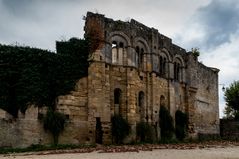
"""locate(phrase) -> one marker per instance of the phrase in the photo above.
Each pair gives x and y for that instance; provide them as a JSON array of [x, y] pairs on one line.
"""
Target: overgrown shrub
[[55, 123], [145, 132], [166, 124], [120, 128], [181, 123]]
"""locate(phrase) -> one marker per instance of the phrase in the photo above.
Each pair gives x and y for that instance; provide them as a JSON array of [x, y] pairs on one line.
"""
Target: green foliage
[[145, 132], [181, 123], [54, 122], [232, 100], [195, 52], [230, 113], [34, 76], [120, 128], [166, 124]]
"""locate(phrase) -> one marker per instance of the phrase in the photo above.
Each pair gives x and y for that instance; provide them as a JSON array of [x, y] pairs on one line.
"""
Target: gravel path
[[211, 153], [182, 151]]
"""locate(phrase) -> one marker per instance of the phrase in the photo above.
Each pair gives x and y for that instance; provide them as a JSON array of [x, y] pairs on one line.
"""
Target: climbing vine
[[30, 76]]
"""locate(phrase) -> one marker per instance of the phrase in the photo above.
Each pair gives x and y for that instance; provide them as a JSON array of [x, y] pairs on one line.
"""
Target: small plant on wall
[[195, 52], [54, 122]]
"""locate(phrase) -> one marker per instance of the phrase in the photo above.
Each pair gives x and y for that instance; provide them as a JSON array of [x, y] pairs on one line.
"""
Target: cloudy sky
[[211, 25]]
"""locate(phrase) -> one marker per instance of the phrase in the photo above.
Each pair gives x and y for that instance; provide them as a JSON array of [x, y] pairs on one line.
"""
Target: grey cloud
[[17, 7], [219, 20], [39, 23]]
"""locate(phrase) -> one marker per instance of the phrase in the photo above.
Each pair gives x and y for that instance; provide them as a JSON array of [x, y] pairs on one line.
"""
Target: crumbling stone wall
[[138, 59], [24, 131]]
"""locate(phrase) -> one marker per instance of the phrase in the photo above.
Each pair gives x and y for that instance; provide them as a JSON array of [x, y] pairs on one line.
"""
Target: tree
[[232, 100], [229, 113]]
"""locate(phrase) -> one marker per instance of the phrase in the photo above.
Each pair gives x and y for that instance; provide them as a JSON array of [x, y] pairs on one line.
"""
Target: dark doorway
[[98, 131], [117, 101]]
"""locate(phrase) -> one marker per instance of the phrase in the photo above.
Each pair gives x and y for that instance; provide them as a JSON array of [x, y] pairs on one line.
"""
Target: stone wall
[[75, 107], [139, 50], [206, 106], [22, 132]]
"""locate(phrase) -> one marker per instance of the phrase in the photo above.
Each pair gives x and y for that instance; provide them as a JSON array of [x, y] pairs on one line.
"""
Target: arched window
[[162, 66], [114, 44], [141, 58], [137, 56], [121, 45], [137, 49], [177, 69], [118, 49], [162, 101], [114, 52], [141, 99], [117, 100], [141, 47], [120, 53]]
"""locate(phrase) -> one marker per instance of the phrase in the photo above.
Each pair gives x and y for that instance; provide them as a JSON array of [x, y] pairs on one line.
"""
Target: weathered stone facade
[[133, 71]]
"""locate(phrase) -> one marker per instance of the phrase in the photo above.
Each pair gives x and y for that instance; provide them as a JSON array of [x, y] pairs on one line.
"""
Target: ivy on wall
[[34, 76]]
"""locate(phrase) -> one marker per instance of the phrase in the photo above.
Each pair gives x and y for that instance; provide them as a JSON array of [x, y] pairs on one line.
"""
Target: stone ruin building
[[133, 71]]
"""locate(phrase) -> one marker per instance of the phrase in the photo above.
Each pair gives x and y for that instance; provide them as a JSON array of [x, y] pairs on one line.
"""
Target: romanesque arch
[[141, 47], [119, 43], [120, 34], [162, 101], [162, 60], [179, 67], [179, 59], [164, 52], [141, 42]]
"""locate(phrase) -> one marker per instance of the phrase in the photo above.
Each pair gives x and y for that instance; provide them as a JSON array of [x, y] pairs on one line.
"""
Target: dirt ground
[[189, 151]]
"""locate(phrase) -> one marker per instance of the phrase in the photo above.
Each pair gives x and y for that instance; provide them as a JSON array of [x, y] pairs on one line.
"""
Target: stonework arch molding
[[141, 47], [178, 58], [179, 68], [118, 34], [139, 41], [164, 52]]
